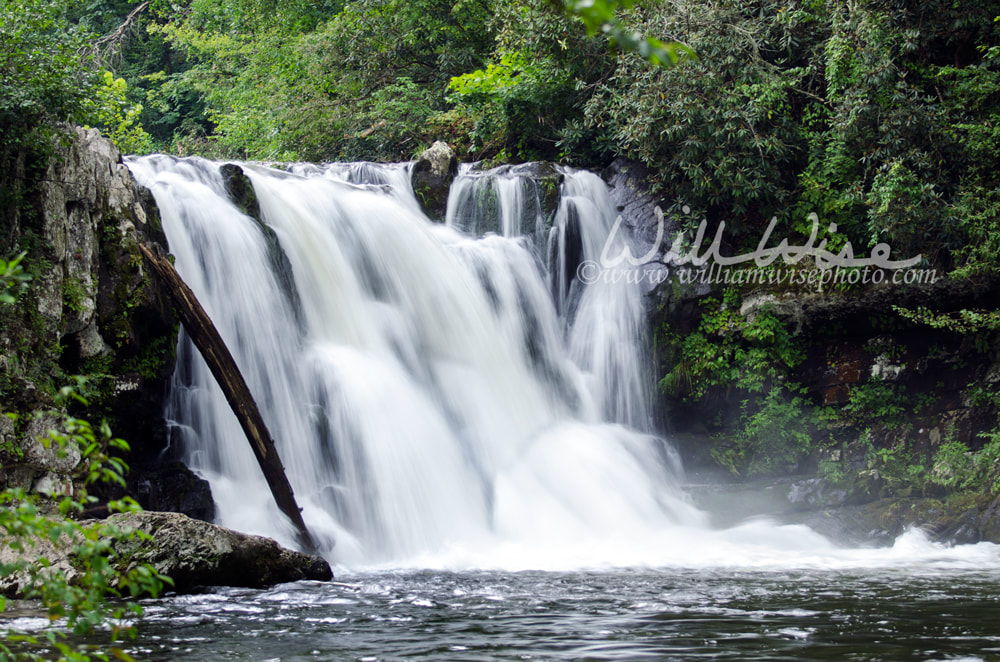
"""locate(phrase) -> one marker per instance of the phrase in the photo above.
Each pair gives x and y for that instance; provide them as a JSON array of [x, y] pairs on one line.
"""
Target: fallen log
[[220, 361]]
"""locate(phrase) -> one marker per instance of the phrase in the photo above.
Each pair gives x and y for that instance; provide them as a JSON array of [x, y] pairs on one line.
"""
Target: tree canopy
[[878, 115]]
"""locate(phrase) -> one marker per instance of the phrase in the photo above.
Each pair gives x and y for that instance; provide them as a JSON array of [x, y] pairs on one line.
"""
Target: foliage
[[111, 110], [74, 294], [48, 81], [44, 79], [750, 353], [953, 465], [508, 98], [328, 82], [877, 401], [899, 469], [774, 438], [13, 279], [751, 356], [720, 132], [266, 80], [957, 468], [878, 117], [92, 598], [842, 109], [965, 321], [599, 17], [980, 326], [542, 70]]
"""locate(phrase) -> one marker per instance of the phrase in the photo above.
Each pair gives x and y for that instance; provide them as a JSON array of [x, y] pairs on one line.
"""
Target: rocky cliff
[[92, 310], [888, 393]]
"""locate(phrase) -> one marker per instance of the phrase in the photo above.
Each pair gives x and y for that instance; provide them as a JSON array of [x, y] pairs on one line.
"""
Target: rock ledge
[[191, 552], [195, 553]]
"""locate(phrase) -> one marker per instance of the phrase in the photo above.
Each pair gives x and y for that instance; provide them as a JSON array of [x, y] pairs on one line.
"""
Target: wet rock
[[989, 522], [650, 232], [478, 209], [172, 487], [240, 190], [192, 553], [242, 194], [547, 181], [816, 492], [195, 553], [431, 179], [959, 519]]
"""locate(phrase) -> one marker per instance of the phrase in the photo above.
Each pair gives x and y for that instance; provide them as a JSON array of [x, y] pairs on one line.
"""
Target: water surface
[[921, 613]]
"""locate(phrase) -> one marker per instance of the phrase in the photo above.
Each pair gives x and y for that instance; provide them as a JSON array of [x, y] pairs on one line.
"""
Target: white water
[[441, 399]]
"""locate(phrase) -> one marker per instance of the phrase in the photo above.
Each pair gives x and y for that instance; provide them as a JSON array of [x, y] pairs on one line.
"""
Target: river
[[468, 428], [933, 609]]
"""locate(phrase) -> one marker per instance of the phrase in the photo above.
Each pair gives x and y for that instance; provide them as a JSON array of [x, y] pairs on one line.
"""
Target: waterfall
[[430, 387]]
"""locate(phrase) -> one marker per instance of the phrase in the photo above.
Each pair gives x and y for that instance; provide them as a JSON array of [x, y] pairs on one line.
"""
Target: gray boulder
[[431, 178], [195, 553], [191, 552]]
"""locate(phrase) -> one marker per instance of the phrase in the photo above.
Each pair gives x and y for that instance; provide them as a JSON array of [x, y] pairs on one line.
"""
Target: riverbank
[[846, 518]]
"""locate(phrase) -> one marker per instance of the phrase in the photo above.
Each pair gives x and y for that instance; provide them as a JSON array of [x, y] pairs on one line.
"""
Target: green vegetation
[[739, 376], [774, 436], [45, 79], [879, 117], [750, 359], [39, 529], [95, 595], [956, 467], [751, 353], [74, 294], [901, 470], [51, 75], [12, 279]]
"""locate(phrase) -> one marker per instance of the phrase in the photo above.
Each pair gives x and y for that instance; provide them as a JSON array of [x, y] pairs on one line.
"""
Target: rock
[[539, 184], [54, 485], [240, 190], [547, 181], [87, 193], [431, 178], [959, 519], [816, 492], [242, 194], [14, 584], [191, 552], [51, 457], [649, 231], [989, 522], [195, 553], [92, 308], [172, 487]]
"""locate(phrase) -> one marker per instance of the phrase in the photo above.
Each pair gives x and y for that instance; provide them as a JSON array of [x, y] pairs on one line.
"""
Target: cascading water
[[425, 389], [442, 395], [601, 321]]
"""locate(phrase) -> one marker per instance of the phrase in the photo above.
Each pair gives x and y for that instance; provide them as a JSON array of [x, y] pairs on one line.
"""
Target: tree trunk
[[208, 341]]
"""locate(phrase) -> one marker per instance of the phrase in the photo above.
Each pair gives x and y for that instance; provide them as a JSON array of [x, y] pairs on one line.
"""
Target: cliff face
[[91, 310]]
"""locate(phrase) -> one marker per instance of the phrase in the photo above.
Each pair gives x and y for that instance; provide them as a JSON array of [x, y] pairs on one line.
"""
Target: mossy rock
[[431, 178], [195, 553]]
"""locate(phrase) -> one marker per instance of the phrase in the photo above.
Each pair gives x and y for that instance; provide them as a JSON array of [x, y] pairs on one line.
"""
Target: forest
[[879, 116]]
